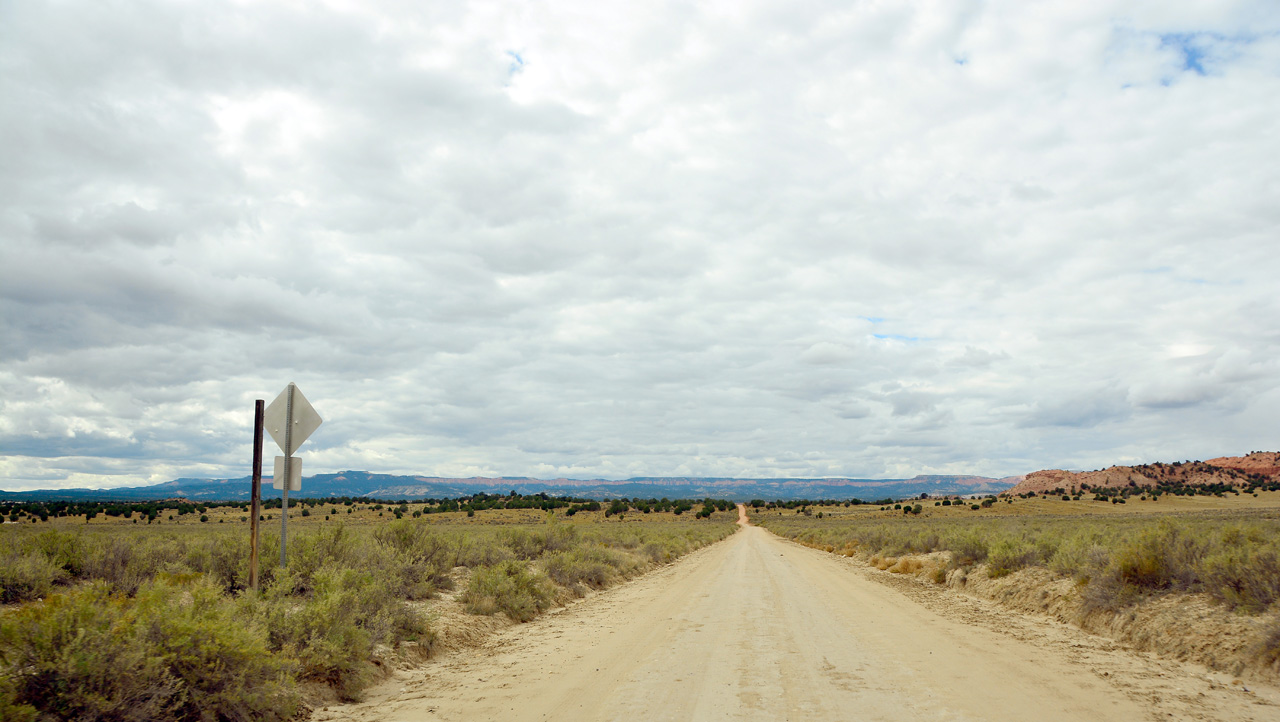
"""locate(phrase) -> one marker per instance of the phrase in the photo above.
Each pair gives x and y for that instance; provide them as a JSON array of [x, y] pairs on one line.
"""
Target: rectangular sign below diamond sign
[[295, 474]]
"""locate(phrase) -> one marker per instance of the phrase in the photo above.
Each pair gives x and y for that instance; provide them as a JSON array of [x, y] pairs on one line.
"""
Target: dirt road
[[763, 629]]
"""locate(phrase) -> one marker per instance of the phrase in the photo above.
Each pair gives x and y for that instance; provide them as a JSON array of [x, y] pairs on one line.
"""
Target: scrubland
[[1201, 585], [125, 621]]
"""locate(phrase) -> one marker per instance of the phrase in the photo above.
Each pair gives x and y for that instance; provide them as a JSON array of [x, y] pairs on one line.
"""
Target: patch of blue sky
[[1205, 52], [517, 62], [1201, 53], [1192, 46], [895, 337], [872, 319]]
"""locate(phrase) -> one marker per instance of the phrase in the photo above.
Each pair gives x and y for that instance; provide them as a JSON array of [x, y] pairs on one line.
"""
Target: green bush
[[1266, 650], [509, 587], [967, 548], [475, 550], [1080, 556], [29, 576], [1009, 555], [333, 631], [594, 566], [125, 563], [176, 651], [420, 560], [533, 543], [1248, 578], [65, 549]]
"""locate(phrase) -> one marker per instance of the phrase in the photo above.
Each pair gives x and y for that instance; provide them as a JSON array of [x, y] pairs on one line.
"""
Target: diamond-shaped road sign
[[305, 419]]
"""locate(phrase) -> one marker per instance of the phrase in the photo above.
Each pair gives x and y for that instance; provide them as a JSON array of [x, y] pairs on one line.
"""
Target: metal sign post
[[255, 494], [288, 455], [290, 420]]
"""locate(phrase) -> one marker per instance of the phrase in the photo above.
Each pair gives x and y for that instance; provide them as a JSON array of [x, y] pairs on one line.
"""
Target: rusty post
[[256, 494]]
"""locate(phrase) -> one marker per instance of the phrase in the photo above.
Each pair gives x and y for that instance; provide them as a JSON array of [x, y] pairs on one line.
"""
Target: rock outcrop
[[1227, 470]]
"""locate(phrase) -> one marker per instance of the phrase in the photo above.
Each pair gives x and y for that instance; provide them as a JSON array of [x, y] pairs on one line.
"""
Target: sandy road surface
[[759, 628]]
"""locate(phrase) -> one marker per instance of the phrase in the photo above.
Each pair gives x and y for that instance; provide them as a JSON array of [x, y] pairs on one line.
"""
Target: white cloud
[[724, 238]]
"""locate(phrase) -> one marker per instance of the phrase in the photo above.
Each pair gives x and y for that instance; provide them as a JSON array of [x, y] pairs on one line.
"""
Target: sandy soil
[[756, 627]]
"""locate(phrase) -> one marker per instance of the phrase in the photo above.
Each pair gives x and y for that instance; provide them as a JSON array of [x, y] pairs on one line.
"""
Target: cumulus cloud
[[749, 239]]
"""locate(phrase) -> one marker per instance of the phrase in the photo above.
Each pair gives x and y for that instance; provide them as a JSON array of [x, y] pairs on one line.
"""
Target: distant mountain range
[[387, 486]]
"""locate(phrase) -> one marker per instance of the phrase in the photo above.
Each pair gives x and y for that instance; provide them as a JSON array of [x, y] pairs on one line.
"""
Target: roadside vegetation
[[1235, 559], [1114, 561], [155, 622]]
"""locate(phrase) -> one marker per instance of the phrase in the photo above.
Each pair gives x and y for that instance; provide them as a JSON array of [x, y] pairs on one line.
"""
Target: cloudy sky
[[742, 238]]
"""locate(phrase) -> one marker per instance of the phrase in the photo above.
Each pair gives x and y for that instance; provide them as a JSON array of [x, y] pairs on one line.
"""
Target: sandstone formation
[[1229, 470]]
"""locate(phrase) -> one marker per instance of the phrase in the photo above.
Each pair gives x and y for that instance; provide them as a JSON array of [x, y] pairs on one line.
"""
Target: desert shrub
[[421, 558], [330, 546], [65, 549], [177, 651], [968, 547], [1267, 649], [593, 566], [509, 587], [332, 632], [475, 551], [658, 553], [906, 565], [1164, 558], [574, 569], [29, 576], [1008, 555], [1080, 556], [1243, 577], [629, 538], [223, 558], [923, 542], [533, 543], [11, 710], [126, 563]]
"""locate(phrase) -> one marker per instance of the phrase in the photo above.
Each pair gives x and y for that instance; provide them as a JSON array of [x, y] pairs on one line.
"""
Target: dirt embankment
[[1183, 627], [1228, 470]]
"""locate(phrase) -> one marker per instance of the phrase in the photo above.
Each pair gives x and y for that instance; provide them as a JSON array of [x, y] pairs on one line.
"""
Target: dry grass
[[906, 565]]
